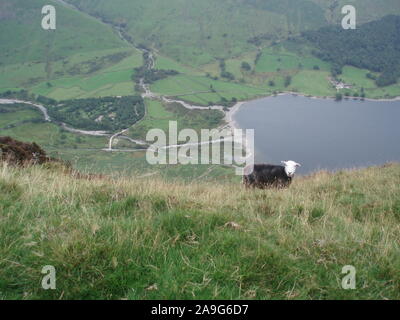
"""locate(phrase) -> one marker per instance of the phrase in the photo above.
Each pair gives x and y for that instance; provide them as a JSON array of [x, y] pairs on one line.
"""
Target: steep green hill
[[82, 58], [22, 38], [195, 32], [189, 31], [367, 10]]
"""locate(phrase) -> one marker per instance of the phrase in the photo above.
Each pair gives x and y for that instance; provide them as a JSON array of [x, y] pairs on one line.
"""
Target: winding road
[[39, 106]]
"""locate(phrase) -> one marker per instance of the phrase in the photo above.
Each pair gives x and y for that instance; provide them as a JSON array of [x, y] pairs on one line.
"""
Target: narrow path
[[40, 107], [85, 132]]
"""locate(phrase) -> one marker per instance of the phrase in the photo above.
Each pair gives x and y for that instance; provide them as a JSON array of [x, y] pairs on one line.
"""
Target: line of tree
[[246, 66], [148, 74], [152, 75], [288, 81], [225, 74]]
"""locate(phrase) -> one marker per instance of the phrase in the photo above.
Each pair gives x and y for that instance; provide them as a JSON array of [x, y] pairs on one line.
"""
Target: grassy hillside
[[196, 32], [367, 10], [188, 36], [23, 39], [190, 31], [145, 238], [112, 76], [81, 58]]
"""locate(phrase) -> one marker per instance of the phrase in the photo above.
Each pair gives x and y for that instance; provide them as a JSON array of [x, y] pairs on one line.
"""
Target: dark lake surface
[[323, 133]]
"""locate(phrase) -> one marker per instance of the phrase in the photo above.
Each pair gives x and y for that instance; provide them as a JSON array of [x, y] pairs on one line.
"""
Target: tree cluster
[[108, 113], [374, 46]]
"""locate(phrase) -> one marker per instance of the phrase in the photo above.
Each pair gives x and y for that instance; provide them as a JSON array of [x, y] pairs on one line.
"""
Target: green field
[[52, 138], [274, 60], [313, 83], [22, 38], [112, 79], [159, 115], [199, 89], [194, 32], [77, 87], [57, 63], [16, 115], [164, 63], [357, 78], [197, 32]]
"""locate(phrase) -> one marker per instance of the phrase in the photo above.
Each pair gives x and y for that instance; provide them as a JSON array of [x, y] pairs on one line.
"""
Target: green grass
[[32, 58], [116, 238], [313, 83], [198, 89], [111, 78], [155, 109], [388, 92], [159, 115], [357, 78], [197, 32], [19, 115], [193, 33], [123, 164], [49, 136], [117, 89], [114, 80], [22, 39], [274, 60], [274, 64], [164, 63], [234, 65], [133, 61]]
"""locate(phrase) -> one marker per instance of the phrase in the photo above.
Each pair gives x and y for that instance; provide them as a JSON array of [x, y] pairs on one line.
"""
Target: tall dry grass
[[152, 239]]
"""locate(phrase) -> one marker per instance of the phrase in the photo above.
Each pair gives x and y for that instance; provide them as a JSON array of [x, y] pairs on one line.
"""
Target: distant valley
[[203, 53]]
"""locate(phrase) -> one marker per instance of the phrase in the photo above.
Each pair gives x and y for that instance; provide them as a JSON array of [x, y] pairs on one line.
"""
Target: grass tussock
[[149, 239]]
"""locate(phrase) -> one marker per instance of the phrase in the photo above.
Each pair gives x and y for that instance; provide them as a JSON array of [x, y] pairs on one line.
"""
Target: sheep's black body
[[267, 176]]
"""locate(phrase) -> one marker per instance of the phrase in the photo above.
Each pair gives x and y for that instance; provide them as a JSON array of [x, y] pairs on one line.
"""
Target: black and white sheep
[[269, 176]]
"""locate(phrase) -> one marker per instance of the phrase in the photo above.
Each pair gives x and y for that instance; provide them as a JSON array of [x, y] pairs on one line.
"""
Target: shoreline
[[229, 115], [232, 123], [333, 98]]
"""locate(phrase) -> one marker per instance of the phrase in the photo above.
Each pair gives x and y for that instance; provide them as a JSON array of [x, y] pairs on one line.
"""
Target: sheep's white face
[[290, 167]]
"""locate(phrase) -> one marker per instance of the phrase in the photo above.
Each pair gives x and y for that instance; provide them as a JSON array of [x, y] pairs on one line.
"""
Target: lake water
[[323, 133]]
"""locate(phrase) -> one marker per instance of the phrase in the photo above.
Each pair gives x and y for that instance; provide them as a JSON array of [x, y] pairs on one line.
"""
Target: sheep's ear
[[298, 165], [284, 162]]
